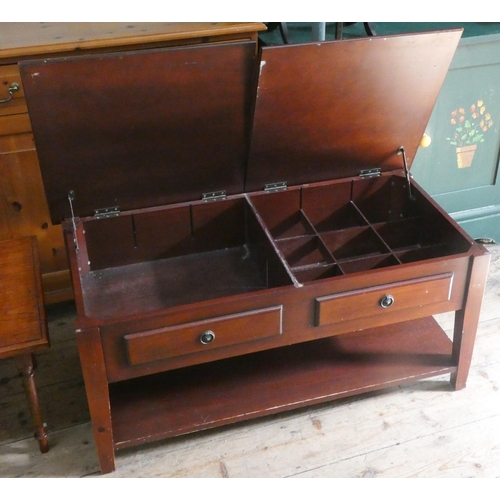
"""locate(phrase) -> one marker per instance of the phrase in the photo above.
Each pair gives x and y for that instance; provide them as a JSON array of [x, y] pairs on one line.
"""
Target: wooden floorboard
[[423, 430]]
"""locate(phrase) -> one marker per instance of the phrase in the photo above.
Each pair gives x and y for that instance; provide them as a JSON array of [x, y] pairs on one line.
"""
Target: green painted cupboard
[[460, 166]]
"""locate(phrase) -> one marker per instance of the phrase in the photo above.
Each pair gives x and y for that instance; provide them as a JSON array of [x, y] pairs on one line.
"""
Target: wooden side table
[[23, 325]]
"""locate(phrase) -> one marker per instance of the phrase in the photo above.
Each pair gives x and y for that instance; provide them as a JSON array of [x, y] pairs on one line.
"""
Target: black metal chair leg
[[369, 29], [284, 32]]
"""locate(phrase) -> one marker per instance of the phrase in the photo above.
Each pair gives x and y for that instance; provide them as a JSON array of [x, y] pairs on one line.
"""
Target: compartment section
[[432, 252], [329, 207], [305, 252], [282, 214], [421, 238], [356, 225], [384, 199], [318, 273], [354, 242], [155, 259], [368, 263], [213, 333]]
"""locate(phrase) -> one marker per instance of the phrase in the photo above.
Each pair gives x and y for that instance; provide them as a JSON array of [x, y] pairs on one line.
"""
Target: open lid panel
[[155, 127], [143, 128], [329, 110]]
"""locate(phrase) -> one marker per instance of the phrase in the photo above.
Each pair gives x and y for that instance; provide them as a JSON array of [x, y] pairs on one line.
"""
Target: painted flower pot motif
[[465, 155], [469, 127]]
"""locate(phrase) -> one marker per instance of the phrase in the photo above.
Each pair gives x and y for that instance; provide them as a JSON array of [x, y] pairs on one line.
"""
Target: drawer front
[[15, 124], [12, 100], [383, 300], [22, 319], [199, 336]]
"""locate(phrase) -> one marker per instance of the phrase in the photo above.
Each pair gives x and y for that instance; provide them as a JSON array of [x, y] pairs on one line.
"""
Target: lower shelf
[[214, 394]]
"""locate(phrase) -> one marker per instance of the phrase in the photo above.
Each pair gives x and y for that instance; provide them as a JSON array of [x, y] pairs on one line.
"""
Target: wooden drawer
[[388, 300], [198, 336], [9, 78]]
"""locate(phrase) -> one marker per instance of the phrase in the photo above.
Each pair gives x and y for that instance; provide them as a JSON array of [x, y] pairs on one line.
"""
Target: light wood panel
[[19, 40]]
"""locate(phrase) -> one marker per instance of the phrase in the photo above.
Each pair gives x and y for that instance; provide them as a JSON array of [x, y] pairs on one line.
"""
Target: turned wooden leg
[[26, 367]]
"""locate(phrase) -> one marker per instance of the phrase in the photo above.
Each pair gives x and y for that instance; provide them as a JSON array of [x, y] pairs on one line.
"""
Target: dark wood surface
[[467, 318], [346, 105], [417, 293], [143, 129], [220, 393], [169, 342], [23, 324], [96, 389], [152, 286]]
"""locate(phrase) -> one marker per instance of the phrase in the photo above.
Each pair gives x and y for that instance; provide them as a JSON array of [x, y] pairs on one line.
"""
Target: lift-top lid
[[155, 127], [143, 128], [330, 110]]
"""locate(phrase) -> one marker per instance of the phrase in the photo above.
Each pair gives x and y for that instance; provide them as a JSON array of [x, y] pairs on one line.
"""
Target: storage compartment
[[368, 263], [179, 255], [352, 243], [169, 257], [305, 252], [387, 199], [330, 229]]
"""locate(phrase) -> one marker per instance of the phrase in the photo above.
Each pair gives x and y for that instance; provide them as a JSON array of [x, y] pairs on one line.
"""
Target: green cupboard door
[[459, 168]]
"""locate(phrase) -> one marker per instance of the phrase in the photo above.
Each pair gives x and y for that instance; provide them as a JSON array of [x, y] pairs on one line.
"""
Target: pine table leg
[[26, 367]]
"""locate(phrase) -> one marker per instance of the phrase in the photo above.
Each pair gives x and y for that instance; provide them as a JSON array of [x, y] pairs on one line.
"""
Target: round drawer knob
[[207, 337], [386, 301]]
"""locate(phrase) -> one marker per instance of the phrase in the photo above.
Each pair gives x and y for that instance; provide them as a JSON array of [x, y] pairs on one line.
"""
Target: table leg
[[467, 319], [26, 367]]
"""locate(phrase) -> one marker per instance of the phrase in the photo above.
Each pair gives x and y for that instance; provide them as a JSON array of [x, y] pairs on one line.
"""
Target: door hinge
[[275, 186], [214, 196], [104, 213], [370, 172]]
